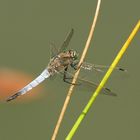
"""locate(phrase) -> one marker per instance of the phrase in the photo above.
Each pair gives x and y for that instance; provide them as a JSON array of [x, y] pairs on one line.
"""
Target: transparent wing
[[89, 84], [66, 41], [45, 74], [99, 68], [53, 50], [92, 85]]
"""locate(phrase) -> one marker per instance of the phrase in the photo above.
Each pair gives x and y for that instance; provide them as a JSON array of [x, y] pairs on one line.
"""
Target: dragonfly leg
[[65, 78], [75, 65]]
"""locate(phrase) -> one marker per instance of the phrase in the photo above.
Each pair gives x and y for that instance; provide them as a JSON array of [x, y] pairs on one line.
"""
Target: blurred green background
[[26, 30]]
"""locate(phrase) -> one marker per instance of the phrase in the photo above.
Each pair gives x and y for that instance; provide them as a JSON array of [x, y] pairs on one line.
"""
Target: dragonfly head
[[73, 54]]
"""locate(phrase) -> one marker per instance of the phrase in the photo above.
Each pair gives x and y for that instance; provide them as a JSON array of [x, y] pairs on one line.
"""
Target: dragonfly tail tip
[[12, 97]]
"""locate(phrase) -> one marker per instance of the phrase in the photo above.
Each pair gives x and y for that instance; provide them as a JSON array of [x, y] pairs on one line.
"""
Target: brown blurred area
[[13, 80]]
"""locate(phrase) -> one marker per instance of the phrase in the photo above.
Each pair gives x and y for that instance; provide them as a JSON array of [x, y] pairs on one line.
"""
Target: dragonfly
[[60, 60]]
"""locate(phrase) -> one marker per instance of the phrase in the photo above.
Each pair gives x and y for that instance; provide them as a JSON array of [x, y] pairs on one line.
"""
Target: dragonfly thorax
[[62, 61]]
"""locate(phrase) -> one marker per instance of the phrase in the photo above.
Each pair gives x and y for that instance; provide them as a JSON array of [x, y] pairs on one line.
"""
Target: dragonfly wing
[[99, 68], [90, 67], [66, 41], [53, 51], [90, 84], [45, 74]]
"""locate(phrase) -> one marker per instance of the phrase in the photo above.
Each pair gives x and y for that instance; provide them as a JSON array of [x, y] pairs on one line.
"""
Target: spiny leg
[[65, 77], [75, 65]]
